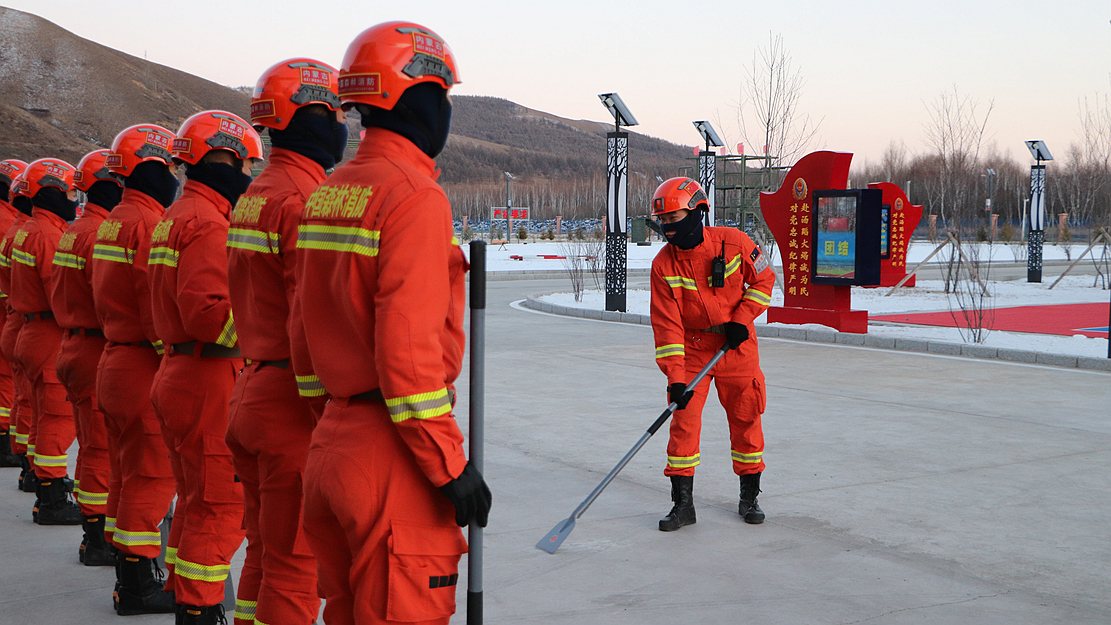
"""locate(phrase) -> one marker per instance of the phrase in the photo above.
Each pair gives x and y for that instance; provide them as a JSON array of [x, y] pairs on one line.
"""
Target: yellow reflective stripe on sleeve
[[758, 296], [163, 256], [5, 261], [254, 240], [5, 412], [675, 349], [419, 406], [245, 610], [23, 257], [730, 268], [113, 253], [171, 556], [676, 282], [51, 461], [200, 572], [310, 386], [65, 259], [747, 458], [684, 462], [228, 337], [338, 239]]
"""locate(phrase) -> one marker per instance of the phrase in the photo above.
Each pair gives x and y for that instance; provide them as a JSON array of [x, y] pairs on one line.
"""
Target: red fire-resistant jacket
[[121, 285], [71, 289], [380, 290], [189, 270], [684, 303], [262, 252], [11, 220], [33, 260]]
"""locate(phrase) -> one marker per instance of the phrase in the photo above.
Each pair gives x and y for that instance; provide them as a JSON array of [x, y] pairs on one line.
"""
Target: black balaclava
[[23, 203], [321, 138], [688, 231], [156, 180], [4, 187], [422, 115], [227, 180], [54, 200], [105, 194]]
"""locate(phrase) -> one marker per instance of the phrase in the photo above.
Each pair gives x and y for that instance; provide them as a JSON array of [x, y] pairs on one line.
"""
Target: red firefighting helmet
[[10, 170], [47, 172], [136, 144], [385, 60], [216, 130], [92, 170], [290, 85], [19, 186], [678, 194]]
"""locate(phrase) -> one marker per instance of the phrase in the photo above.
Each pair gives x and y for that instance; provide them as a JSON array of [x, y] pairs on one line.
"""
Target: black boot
[[95, 550], [201, 615], [55, 506], [30, 482], [7, 458], [749, 507], [682, 513], [140, 589]]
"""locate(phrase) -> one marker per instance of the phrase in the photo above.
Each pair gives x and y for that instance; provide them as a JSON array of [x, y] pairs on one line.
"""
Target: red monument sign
[[900, 219]]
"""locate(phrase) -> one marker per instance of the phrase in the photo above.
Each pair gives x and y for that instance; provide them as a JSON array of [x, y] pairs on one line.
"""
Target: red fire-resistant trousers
[[384, 536], [142, 484], [191, 396], [20, 427], [743, 398], [36, 349], [77, 364], [269, 429], [7, 399]]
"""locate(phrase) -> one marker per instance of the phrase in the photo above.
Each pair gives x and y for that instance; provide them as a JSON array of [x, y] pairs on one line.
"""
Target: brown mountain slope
[[66, 95]]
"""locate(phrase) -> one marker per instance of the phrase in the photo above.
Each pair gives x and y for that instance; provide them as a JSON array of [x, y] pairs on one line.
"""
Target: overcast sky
[[871, 68]]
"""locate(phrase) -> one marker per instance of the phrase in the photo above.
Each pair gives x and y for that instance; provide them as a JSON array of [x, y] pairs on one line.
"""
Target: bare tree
[[573, 263], [955, 133], [974, 313], [768, 110]]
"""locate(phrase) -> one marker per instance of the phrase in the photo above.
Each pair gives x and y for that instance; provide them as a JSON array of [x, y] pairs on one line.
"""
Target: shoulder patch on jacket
[[759, 261]]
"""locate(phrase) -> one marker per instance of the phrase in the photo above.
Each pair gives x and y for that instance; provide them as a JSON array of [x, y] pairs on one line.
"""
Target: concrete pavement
[[901, 487]]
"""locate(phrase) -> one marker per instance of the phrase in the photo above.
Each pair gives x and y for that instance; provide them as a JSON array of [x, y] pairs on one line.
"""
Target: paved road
[[900, 488]]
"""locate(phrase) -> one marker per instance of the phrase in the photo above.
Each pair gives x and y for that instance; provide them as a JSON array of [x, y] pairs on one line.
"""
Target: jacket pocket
[[424, 571]]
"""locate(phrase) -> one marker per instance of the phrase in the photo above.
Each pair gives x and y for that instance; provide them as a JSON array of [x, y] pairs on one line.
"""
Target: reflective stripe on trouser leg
[[743, 399], [686, 426]]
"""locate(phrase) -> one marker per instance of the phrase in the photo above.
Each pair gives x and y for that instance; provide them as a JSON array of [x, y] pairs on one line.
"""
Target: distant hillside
[[62, 96]]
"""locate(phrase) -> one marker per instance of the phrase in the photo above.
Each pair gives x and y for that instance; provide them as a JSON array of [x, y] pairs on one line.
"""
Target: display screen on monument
[[847, 236], [885, 231]]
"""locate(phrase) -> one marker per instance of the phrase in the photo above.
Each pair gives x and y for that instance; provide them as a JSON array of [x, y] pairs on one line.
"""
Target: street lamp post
[[617, 201], [707, 168], [508, 208], [1037, 210]]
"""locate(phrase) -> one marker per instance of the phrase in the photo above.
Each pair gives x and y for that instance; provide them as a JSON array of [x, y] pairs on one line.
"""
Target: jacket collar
[[45, 216], [205, 193], [381, 142], [95, 211], [294, 160], [142, 201]]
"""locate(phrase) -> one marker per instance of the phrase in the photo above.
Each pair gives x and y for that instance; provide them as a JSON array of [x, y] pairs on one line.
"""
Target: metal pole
[[477, 420], [617, 202]]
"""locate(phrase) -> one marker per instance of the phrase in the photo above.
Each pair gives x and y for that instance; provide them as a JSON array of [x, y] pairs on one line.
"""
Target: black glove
[[470, 495], [678, 394], [735, 334]]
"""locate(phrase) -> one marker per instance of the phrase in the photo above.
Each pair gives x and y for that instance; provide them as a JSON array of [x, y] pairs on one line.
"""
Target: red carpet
[[1063, 319]]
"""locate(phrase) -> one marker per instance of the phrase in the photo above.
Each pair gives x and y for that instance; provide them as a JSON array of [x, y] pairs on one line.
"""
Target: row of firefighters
[[317, 421]]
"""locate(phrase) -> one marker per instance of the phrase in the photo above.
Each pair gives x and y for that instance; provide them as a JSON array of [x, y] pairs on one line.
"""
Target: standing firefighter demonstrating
[[20, 428], [269, 423], [708, 285], [12, 453], [142, 484], [380, 289], [49, 183], [193, 317], [71, 296]]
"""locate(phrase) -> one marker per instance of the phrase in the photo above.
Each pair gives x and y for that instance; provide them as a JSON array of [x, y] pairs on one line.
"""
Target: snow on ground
[[928, 296], [640, 257]]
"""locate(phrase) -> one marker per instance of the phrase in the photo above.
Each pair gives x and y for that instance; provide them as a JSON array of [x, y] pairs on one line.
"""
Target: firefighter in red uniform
[[269, 424], [71, 298], [142, 483], [708, 285], [22, 416], [380, 289], [11, 453], [193, 316], [49, 182]]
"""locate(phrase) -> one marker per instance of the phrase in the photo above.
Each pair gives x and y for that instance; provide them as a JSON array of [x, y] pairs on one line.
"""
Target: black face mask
[[105, 194], [154, 179], [422, 115], [23, 203], [319, 137], [227, 180], [55, 201], [4, 191], [688, 231]]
